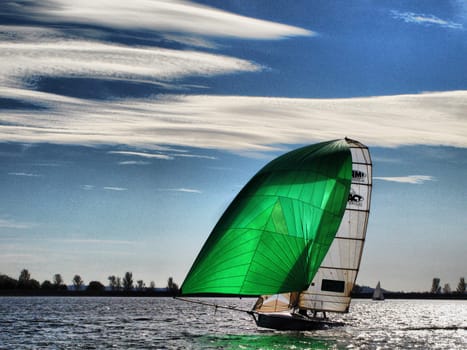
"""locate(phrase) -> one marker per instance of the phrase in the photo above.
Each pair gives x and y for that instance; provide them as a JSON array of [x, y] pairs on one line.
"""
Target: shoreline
[[159, 294]]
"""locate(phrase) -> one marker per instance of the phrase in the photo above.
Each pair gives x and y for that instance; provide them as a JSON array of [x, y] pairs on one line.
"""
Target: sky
[[126, 128]]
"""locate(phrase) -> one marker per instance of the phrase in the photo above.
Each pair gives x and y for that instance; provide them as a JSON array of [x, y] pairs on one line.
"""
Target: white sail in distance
[[378, 292]]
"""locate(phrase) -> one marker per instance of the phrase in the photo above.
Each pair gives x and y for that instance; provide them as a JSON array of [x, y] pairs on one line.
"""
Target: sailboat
[[378, 292], [293, 236]]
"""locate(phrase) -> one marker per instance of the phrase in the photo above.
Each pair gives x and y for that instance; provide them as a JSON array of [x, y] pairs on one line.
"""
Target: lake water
[[165, 323]]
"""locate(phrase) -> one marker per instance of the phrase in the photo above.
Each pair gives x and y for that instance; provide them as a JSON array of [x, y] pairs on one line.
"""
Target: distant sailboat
[[378, 292], [293, 236]]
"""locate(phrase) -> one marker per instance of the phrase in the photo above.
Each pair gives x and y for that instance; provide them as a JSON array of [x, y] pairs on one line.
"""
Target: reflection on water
[[295, 340], [165, 323]]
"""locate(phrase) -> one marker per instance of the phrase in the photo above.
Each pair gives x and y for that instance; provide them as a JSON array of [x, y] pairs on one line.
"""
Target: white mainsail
[[378, 292], [333, 283]]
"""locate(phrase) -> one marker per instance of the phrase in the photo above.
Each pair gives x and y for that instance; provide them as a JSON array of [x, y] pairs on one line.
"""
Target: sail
[[274, 235], [335, 279], [276, 302], [378, 292]]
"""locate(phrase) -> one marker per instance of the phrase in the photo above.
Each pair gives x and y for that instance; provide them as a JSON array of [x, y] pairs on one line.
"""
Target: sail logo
[[358, 175], [355, 198]]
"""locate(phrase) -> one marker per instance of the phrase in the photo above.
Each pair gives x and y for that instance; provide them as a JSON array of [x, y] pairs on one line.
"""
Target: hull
[[292, 322]]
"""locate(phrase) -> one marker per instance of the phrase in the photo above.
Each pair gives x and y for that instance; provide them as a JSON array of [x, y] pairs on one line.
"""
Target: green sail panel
[[275, 234]]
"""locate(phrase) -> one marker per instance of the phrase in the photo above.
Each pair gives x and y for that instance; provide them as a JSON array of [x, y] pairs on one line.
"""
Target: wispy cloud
[[24, 174], [186, 190], [106, 188], [170, 16], [111, 188], [134, 162], [23, 61], [8, 223], [237, 123], [411, 179], [31, 52], [179, 154], [182, 155], [142, 154], [24, 258], [427, 20], [385, 160], [97, 241]]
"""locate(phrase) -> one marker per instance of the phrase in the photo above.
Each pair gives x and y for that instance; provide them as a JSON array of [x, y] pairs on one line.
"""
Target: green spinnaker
[[275, 233]]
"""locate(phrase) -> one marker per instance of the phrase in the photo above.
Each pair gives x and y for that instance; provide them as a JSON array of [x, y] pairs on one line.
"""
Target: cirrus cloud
[[13, 224], [171, 16], [236, 123], [423, 19], [182, 189], [410, 179], [113, 188], [24, 61]]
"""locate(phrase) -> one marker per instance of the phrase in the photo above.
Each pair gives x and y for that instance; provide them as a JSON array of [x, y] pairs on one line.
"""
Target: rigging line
[[214, 305]]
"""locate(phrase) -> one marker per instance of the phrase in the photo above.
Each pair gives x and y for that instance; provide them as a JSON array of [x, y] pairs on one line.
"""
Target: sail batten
[[279, 228]]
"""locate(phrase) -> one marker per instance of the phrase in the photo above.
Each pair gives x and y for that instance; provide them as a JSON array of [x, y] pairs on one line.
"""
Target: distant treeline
[[27, 286], [436, 292], [125, 286], [412, 295]]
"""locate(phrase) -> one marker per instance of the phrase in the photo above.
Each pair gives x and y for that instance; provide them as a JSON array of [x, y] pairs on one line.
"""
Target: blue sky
[[127, 128]]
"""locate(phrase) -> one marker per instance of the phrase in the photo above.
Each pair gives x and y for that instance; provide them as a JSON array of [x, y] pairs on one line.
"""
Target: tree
[[435, 287], [461, 286], [26, 282], [24, 279], [171, 285], [34, 284], [58, 280], [128, 281], [119, 283], [7, 282], [356, 289], [447, 289], [140, 284], [77, 282], [95, 287], [46, 285], [112, 282], [152, 285]]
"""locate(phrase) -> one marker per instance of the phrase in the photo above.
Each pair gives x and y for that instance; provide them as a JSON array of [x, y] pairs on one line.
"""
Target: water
[[165, 323]]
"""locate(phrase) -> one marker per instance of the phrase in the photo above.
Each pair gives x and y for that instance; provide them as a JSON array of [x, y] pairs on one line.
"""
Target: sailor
[[303, 312]]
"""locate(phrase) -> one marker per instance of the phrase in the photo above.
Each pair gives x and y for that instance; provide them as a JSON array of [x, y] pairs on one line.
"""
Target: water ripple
[[165, 323]]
